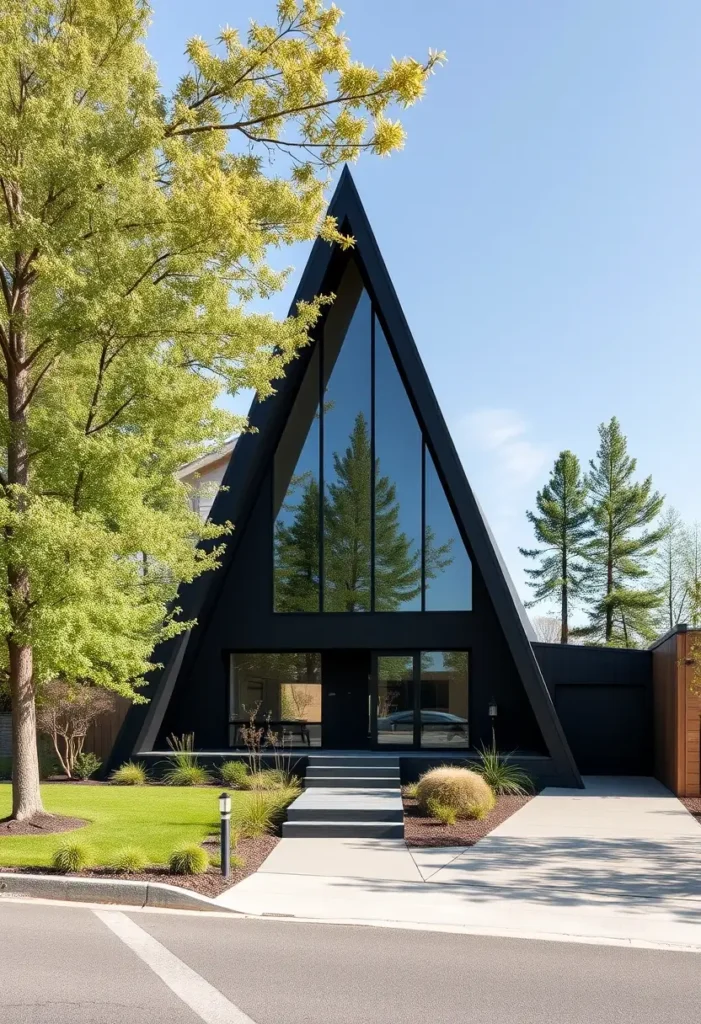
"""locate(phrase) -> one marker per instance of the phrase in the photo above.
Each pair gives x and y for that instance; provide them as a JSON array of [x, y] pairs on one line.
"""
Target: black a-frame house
[[361, 602]]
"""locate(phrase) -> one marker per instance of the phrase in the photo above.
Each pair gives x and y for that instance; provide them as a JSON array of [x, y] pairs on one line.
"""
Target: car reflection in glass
[[402, 722]]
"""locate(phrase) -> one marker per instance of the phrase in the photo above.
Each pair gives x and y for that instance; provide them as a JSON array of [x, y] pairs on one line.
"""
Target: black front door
[[344, 700]]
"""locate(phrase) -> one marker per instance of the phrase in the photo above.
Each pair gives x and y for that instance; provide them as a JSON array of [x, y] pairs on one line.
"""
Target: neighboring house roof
[[206, 462]]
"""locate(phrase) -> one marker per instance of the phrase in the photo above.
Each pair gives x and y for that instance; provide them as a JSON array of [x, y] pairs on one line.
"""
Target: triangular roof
[[253, 451]]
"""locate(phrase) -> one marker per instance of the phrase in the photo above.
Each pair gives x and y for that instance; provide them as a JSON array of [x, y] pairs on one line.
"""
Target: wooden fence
[[677, 711], [103, 731]]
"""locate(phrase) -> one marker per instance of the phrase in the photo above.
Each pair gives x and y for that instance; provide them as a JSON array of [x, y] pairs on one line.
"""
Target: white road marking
[[202, 998]]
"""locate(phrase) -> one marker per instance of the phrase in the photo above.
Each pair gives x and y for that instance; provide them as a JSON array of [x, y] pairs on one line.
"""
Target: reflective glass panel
[[444, 699], [280, 693], [448, 566], [347, 465], [297, 502], [395, 700], [397, 488]]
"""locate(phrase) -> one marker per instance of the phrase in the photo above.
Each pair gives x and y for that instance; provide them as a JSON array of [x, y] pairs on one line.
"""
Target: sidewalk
[[617, 862]]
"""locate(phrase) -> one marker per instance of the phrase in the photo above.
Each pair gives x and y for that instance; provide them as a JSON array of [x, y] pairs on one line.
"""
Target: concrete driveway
[[619, 861]]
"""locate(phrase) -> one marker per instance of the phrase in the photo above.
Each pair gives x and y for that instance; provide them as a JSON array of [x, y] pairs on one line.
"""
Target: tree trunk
[[26, 795], [564, 611]]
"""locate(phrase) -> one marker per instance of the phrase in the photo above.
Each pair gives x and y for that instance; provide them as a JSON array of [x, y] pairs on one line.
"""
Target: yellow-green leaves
[[135, 235]]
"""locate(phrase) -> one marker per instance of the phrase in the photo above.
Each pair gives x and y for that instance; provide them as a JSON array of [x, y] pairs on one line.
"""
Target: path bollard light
[[493, 718], [225, 833]]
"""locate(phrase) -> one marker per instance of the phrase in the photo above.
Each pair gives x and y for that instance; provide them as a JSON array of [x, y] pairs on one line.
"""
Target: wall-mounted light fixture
[[493, 711]]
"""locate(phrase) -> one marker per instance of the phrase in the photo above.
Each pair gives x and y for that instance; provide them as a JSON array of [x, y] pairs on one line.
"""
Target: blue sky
[[542, 226]]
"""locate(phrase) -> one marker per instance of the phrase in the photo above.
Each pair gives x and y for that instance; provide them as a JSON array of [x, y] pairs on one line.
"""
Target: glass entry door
[[420, 700]]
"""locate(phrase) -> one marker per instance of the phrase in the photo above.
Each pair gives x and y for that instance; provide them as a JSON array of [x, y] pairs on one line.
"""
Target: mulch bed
[[211, 883], [693, 806], [424, 831], [40, 825]]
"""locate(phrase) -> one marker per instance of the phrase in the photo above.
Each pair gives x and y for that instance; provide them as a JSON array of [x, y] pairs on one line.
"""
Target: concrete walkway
[[618, 862]]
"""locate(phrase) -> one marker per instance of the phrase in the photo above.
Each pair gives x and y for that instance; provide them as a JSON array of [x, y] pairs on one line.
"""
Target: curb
[[105, 890]]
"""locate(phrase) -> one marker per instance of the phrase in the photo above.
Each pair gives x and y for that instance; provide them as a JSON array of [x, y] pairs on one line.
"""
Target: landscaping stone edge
[[106, 890]]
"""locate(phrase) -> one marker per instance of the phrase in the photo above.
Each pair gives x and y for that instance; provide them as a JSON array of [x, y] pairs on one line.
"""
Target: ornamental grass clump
[[234, 774], [441, 812], [190, 859], [130, 860], [501, 775], [460, 789], [184, 768], [131, 773], [71, 856]]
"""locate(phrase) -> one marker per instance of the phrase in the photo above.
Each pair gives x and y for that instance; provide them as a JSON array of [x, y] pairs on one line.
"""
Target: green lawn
[[155, 818]]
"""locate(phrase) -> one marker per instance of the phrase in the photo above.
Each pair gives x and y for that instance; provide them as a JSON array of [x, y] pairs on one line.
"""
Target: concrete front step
[[353, 760], [353, 771], [353, 782], [342, 830]]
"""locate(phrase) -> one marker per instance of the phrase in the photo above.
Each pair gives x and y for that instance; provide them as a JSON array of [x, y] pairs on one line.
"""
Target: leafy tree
[[619, 552], [66, 712], [547, 628], [692, 562], [134, 230], [672, 572], [562, 525]]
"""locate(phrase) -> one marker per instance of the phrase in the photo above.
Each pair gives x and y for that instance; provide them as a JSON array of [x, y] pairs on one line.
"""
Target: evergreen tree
[[297, 552], [622, 547], [347, 541], [562, 525]]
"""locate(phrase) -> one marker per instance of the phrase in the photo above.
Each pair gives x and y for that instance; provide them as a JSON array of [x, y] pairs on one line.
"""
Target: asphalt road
[[70, 965]]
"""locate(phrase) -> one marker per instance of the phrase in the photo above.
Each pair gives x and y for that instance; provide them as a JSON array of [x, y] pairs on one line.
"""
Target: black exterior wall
[[603, 697], [234, 605], [243, 619]]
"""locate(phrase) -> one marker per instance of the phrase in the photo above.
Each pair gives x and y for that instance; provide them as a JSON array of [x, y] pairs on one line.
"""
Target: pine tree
[[297, 552], [562, 525], [622, 548], [347, 541]]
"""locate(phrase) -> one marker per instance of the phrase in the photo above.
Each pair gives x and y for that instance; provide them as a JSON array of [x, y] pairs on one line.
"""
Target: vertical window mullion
[[321, 468], [417, 699], [423, 525], [372, 458]]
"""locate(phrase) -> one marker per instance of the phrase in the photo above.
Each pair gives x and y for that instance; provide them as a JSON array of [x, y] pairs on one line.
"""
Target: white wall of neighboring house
[[203, 477]]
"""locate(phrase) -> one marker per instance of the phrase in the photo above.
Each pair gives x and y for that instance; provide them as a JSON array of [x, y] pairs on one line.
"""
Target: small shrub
[[237, 861], [130, 860], [409, 790], [501, 775], [131, 773], [447, 815], [71, 856], [234, 774], [86, 765], [187, 775], [459, 788], [189, 860]]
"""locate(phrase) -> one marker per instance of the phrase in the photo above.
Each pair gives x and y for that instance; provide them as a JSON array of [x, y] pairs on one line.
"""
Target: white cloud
[[515, 460]]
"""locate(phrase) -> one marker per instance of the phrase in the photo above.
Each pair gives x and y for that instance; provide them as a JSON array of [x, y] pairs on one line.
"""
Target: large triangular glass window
[[362, 520]]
